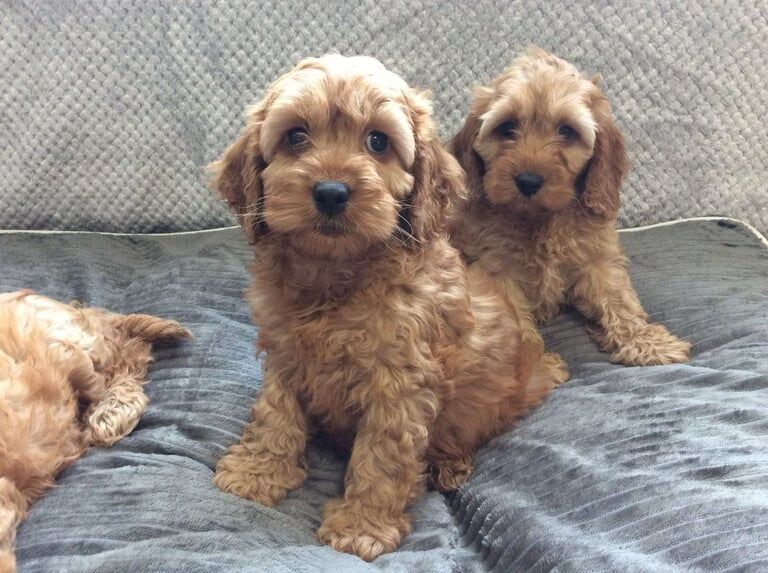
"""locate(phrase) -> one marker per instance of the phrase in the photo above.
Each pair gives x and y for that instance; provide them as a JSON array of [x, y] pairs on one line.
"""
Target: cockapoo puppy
[[70, 377], [372, 330], [544, 163]]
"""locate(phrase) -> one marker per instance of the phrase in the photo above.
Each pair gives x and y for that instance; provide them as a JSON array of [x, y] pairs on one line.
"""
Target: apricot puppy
[[372, 330], [544, 163], [70, 378]]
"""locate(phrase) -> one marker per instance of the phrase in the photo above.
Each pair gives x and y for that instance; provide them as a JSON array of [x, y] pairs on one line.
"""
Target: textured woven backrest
[[110, 110]]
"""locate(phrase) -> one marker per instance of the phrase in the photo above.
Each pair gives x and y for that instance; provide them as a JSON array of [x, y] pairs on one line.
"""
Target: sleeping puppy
[[372, 330], [544, 163], [69, 378]]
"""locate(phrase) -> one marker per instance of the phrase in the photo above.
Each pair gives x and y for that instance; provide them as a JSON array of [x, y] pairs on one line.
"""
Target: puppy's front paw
[[248, 475], [652, 345], [250, 486], [115, 416], [362, 531]]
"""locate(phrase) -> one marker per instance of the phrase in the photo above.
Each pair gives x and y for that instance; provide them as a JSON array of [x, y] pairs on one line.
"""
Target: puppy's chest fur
[[544, 261], [343, 347]]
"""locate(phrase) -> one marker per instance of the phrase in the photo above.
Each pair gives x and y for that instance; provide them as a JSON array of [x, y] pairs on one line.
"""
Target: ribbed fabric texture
[[621, 469]]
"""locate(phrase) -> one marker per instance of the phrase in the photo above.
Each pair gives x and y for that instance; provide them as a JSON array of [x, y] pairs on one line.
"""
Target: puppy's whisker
[[407, 233], [259, 216], [255, 209]]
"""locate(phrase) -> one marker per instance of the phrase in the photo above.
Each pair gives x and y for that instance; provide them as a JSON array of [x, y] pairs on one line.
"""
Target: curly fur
[[560, 244], [373, 331], [70, 377]]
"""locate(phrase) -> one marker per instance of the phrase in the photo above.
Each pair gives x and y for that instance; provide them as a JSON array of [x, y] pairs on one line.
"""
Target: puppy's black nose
[[528, 183], [330, 197]]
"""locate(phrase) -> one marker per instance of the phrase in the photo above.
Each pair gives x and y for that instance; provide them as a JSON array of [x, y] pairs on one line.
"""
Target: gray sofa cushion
[[109, 110], [624, 469]]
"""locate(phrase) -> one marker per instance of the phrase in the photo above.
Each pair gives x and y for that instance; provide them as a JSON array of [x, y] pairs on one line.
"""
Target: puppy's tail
[[152, 328], [13, 508]]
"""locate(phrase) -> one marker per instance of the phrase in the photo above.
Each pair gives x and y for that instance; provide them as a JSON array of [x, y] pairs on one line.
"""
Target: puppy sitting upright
[[544, 163], [364, 308]]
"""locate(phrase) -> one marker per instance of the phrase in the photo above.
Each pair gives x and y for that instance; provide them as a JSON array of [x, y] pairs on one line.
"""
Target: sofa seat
[[624, 469]]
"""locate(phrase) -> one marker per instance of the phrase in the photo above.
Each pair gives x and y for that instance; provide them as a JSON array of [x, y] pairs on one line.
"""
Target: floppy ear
[[438, 179], [461, 147], [462, 144], [608, 165], [236, 177]]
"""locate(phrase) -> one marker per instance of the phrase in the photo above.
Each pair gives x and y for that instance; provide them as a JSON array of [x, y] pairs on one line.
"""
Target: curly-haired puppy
[[544, 163], [70, 377], [364, 309]]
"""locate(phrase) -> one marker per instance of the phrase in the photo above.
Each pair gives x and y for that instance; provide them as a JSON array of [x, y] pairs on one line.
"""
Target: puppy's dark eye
[[507, 130], [377, 142], [567, 132], [297, 138]]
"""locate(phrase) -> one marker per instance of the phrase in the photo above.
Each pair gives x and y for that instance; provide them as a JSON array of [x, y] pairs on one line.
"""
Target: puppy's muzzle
[[331, 197], [529, 183]]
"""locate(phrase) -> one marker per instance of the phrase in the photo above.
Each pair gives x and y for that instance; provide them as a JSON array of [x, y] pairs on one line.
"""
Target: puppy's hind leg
[[488, 406], [539, 371], [449, 465], [13, 508]]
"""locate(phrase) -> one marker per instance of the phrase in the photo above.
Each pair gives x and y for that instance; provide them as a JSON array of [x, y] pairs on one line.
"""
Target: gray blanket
[[622, 469], [109, 110]]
